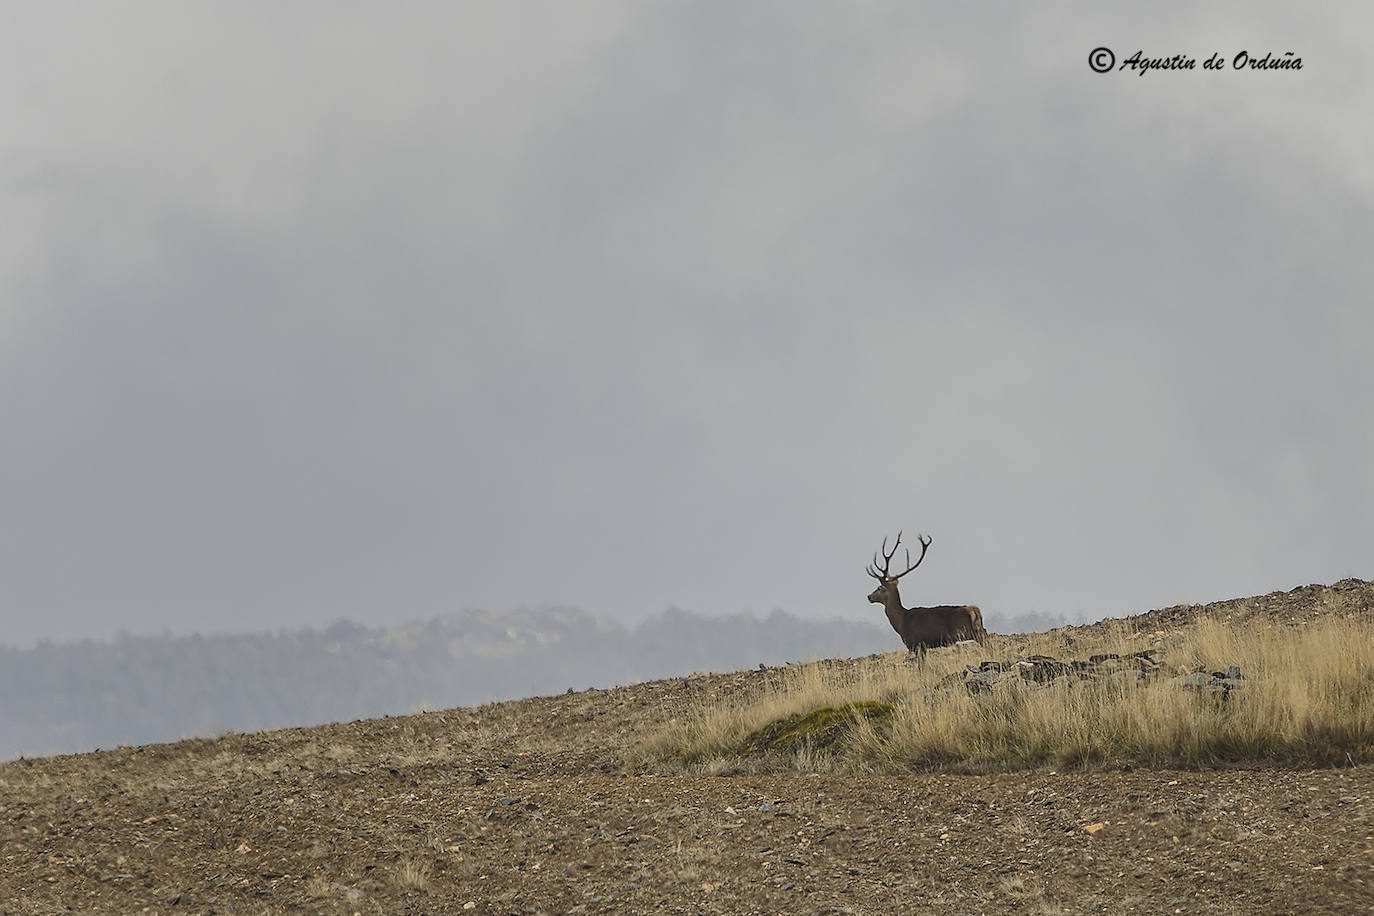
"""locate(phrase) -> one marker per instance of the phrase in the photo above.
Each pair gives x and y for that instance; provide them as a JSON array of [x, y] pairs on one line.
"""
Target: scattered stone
[[1044, 669], [1215, 682]]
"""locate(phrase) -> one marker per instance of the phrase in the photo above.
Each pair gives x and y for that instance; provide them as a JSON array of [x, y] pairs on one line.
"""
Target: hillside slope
[[144, 689], [526, 807]]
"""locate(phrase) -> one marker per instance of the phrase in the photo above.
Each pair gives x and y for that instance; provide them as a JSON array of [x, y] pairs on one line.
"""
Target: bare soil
[[528, 807]]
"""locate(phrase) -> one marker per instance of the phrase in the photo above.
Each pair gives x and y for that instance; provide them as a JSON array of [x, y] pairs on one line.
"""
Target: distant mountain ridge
[[143, 689]]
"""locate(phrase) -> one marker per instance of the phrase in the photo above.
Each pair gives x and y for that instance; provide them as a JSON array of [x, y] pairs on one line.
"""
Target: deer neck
[[892, 603]]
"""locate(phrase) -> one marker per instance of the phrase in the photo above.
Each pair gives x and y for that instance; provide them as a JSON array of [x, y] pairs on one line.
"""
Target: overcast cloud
[[378, 311]]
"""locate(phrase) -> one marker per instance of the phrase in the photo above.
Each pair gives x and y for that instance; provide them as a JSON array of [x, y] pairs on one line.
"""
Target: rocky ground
[[526, 807]]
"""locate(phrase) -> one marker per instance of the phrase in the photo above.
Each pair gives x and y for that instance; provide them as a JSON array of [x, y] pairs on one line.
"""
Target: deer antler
[[883, 573]]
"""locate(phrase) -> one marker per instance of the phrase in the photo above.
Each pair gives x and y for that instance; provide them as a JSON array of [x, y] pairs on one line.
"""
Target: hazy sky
[[321, 310]]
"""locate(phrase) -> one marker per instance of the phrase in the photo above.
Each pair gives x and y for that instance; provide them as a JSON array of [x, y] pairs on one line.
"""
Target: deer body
[[922, 628]]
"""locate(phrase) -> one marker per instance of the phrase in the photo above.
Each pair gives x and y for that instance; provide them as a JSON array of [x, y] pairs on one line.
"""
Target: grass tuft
[[414, 874], [820, 729]]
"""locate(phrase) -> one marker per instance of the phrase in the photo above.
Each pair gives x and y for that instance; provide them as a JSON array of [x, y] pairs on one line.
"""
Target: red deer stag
[[921, 628]]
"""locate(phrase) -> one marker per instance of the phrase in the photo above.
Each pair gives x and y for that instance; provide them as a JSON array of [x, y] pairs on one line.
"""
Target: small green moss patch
[[820, 729]]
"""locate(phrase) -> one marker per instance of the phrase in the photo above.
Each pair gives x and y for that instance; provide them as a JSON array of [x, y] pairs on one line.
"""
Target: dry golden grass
[[1307, 699], [696, 735]]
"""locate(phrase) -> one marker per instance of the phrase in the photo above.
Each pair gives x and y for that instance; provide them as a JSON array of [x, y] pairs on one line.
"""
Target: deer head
[[886, 592]]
